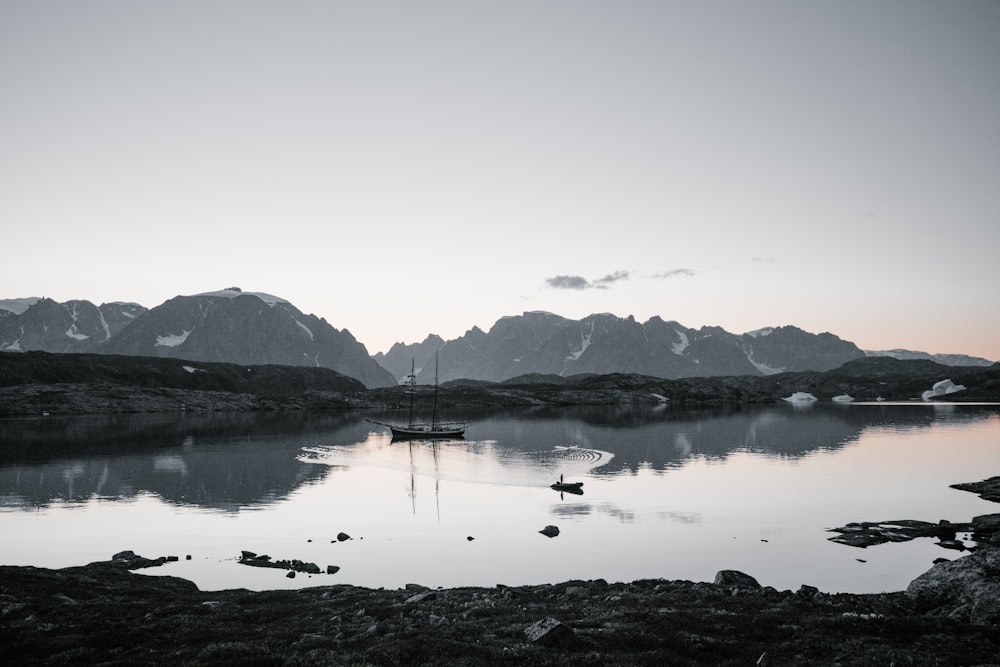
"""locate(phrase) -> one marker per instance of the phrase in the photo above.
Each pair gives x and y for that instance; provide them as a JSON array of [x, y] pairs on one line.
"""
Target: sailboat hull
[[427, 431]]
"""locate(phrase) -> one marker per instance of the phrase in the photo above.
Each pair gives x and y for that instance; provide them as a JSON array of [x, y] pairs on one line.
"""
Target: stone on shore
[[551, 632], [965, 589], [735, 579]]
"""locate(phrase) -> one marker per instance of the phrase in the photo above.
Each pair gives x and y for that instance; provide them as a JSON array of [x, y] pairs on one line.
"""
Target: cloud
[[568, 282], [581, 283], [602, 283], [663, 275]]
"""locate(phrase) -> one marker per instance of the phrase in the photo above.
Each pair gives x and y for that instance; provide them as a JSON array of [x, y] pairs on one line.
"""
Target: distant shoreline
[[39, 383]]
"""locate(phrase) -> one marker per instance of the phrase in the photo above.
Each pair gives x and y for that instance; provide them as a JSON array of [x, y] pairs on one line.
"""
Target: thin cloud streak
[[663, 275], [581, 283]]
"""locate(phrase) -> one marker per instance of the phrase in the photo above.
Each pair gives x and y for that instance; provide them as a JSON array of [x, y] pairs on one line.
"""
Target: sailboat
[[434, 429]]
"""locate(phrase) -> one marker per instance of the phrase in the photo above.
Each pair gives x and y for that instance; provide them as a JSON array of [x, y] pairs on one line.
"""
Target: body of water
[[669, 494]]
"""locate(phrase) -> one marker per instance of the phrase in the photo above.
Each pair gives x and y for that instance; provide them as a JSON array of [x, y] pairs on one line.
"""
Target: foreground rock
[[102, 613], [966, 589]]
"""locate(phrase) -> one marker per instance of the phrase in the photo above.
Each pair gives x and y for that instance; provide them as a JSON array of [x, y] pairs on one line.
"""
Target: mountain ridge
[[226, 326], [234, 326]]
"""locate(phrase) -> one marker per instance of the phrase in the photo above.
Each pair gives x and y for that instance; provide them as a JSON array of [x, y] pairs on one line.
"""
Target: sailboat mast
[[434, 412], [413, 388]]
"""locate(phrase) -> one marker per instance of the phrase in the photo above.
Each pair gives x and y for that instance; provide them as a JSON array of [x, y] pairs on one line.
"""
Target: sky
[[407, 168]]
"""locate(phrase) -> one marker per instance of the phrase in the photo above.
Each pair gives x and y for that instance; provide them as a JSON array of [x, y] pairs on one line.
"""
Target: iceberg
[[800, 398], [942, 388], [843, 398]]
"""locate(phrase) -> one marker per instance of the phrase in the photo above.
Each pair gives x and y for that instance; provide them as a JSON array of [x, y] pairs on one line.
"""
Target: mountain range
[[228, 325], [546, 344], [255, 328]]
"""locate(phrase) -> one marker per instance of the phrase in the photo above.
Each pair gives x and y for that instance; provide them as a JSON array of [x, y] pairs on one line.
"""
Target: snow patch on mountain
[[173, 340], [74, 334], [760, 333], [764, 368], [584, 344], [12, 347], [233, 292], [679, 347], [308, 332]]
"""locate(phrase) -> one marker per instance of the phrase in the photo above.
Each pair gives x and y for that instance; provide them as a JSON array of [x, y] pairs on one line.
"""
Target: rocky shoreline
[[103, 613]]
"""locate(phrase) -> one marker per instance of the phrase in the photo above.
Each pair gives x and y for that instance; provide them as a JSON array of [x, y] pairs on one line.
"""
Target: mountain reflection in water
[[666, 492]]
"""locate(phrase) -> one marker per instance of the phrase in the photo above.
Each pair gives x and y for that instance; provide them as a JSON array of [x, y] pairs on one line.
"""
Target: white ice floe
[[843, 398], [800, 397], [173, 340], [660, 397], [942, 388], [192, 369]]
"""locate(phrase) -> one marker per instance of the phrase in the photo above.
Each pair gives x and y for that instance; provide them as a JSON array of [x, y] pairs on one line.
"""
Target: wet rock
[[130, 561], [868, 533], [965, 589], [551, 632], [985, 527], [295, 565], [988, 489], [332, 569], [952, 544], [735, 579], [343, 537], [549, 531]]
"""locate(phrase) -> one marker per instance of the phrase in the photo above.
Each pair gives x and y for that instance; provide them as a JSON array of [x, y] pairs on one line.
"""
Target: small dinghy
[[569, 487]]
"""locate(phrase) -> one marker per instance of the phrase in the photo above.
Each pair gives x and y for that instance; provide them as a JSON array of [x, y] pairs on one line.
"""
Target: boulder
[[735, 579], [549, 531], [966, 589], [985, 527], [551, 632]]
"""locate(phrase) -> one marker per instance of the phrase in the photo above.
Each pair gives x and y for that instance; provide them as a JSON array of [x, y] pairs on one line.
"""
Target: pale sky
[[406, 168]]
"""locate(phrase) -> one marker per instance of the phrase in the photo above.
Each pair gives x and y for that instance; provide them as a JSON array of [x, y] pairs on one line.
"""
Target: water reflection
[[224, 462], [232, 461], [671, 492]]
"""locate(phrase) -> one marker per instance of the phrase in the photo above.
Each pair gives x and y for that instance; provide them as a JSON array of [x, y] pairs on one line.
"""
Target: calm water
[[673, 494]]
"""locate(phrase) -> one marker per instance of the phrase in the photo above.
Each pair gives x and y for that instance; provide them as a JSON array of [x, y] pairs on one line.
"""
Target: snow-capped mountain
[[228, 326], [544, 343], [946, 359], [74, 326]]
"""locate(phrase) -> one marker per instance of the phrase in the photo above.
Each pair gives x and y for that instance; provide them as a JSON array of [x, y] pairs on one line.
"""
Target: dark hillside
[[48, 368]]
